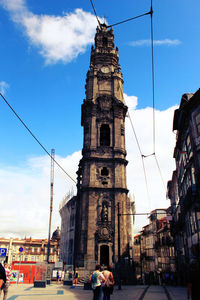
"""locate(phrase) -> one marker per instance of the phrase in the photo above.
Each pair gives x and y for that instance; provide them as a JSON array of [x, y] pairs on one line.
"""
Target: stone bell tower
[[102, 169]]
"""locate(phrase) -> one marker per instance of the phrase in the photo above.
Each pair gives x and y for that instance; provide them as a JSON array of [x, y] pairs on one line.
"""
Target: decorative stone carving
[[104, 212], [104, 232], [104, 102], [122, 129]]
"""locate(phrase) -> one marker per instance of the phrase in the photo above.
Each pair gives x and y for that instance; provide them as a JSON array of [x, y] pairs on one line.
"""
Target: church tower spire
[[104, 62], [102, 169]]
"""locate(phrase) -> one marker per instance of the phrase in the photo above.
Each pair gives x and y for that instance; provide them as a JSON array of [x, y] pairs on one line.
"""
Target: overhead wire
[[153, 96], [130, 19], [133, 129], [95, 13], [153, 76], [36, 139], [142, 156], [160, 172], [153, 92], [153, 100]]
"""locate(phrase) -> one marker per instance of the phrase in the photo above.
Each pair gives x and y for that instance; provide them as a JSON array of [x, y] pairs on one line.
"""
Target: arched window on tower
[[105, 41], [105, 135], [104, 171]]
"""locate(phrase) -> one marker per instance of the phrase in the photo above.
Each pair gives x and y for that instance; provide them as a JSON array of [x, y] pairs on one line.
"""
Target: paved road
[[155, 292], [59, 292]]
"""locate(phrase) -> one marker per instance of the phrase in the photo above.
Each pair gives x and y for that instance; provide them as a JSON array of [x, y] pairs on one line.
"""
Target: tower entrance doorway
[[104, 255]]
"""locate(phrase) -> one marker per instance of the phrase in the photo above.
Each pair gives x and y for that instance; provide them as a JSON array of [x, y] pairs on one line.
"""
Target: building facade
[[34, 250], [154, 249], [184, 188], [164, 246], [68, 213]]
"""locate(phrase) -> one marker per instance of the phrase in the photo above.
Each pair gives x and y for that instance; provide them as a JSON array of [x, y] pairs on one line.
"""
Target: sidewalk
[[51, 292], [60, 292], [177, 292]]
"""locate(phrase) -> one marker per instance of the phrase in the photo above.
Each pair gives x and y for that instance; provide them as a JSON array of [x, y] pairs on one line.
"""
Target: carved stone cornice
[[103, 189], [106, 160], [91, 152]]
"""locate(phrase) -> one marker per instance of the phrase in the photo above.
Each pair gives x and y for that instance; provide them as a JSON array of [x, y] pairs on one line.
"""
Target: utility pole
[[140, 239], [51, 200], [119, 254]]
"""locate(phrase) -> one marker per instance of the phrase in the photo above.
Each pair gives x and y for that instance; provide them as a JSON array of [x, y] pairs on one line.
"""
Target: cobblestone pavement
[[59, 292]]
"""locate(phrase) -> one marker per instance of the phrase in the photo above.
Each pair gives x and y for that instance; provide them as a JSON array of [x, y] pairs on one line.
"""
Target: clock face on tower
[[105, 69]]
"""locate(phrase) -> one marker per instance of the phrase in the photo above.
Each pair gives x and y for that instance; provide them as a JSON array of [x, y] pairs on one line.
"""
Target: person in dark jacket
[[193, 290], [2, 276]]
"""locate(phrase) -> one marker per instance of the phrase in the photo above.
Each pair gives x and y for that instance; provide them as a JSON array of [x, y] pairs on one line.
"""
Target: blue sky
[[45, 55]]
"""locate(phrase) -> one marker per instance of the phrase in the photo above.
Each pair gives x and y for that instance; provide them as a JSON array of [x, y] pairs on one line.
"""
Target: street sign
[[59, 264], [21, 249], [3, 252]]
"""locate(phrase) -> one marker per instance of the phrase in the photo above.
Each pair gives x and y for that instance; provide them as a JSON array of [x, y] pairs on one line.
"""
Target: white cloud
[[165, 42], [131, 102], [3, 87], [25, 206], [165, 141], [14, 6], [59, 38]]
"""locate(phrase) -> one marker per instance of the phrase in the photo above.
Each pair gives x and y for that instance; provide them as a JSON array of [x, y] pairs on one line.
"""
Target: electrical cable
[[152, 69], [130, 19], [153, 95], [146, 183], [95, 13], [148, 155], [153, 90], [134, 132], [142, 156], [153, 98], [121, 22], [36, 138], [160, 173]]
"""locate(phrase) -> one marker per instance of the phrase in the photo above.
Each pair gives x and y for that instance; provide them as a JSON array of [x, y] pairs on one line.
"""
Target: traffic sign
[[21, 249], [3, 251]]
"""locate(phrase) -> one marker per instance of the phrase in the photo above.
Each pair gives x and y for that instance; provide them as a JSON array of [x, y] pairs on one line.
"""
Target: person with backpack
[[97, 279], [108, 283]]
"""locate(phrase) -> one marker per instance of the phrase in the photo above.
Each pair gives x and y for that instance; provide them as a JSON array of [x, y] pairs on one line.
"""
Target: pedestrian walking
[[76, 277], [62, 275], [96, 280], [2, 277], [7, 283], [167, 278], [108, 284], [193, 290], [58, 276]]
